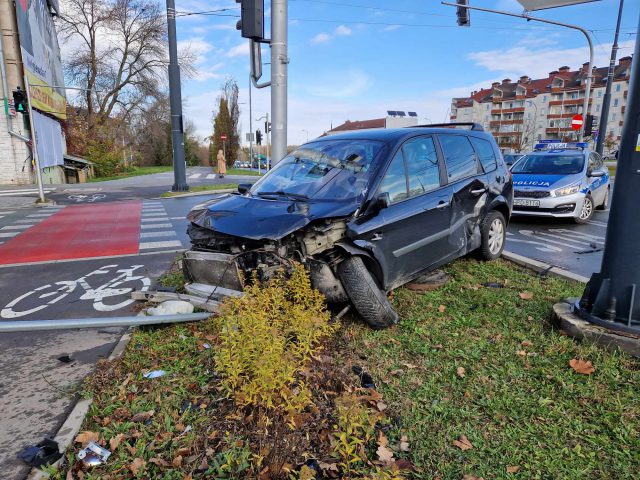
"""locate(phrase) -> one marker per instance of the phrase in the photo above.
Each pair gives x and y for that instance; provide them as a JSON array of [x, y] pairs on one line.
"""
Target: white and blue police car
[[565, 180]]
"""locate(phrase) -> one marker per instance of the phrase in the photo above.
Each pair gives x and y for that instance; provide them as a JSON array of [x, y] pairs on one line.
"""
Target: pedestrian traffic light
[[588, 125], [258, 137], [251, 23], [20, 100], [267, 127], [464, 19]]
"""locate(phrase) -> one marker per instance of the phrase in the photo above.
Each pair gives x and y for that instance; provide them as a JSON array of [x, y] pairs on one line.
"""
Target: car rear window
[[485, 153], [459, 157]]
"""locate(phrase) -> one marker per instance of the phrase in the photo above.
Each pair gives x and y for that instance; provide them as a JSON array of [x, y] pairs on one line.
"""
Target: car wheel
[[587, 210], [605, 201], [365, 294], [494, 235]]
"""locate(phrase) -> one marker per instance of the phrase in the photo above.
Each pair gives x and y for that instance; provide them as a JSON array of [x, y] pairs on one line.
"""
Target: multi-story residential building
[[523, 112], [394, 119]]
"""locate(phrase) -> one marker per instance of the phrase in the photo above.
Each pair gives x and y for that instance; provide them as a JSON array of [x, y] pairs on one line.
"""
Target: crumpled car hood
[[264, 219]]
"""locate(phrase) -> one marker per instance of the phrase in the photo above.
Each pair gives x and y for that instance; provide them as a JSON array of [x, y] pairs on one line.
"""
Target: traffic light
[[258, 137], [267, 127], [588, 125], [251, 23], [20, 100], [464, 19]]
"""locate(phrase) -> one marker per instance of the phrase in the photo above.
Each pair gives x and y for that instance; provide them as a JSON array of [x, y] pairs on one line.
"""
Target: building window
[[544, 98], [599, 93], [616, 101], [597, 108], [487, 106], [618, 88], [613, 116]]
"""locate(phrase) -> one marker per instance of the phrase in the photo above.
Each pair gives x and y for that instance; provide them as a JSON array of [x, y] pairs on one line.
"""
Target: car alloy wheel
[[496, 236], [587, 209]]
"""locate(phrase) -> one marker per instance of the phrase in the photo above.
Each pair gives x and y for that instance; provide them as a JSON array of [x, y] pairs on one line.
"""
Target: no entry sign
[[577, 121], [223, 136]]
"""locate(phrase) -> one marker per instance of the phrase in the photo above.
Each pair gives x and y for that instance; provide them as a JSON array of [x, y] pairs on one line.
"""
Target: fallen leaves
[[463, 443], [143, 416], [442, 308], [137, 466], [583, 367], [85, 437], [513, 469], [404, 443], [460, 371], [385, 455], [526, 295], [115, 441]]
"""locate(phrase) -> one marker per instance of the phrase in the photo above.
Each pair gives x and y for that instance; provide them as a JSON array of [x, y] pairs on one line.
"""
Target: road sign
[[223, 136], [250, 137], [577, 121], [532, 5]]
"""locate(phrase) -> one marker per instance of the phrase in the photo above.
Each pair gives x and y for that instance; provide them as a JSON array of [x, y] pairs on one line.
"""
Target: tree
[[226, 123], [610, 142]]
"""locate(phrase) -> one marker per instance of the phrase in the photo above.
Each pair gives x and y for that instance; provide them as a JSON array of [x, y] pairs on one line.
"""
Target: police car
[[565, 180]]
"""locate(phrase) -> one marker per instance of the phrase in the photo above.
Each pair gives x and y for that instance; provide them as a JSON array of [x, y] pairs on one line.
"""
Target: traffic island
[[473, 381], [566, 319]]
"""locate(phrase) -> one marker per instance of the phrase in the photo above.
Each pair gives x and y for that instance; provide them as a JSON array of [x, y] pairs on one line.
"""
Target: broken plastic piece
[[65, 359], [206, 346], [493, 285], [93, 455], [154, 374], [44, 453], [366, 380]]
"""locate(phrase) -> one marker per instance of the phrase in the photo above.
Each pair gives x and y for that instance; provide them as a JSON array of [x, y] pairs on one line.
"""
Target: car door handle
[[479, 191], [442, 205], [376, 237]]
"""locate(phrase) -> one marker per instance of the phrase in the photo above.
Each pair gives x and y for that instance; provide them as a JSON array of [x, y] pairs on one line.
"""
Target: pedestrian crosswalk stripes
[[154, 235], [165, 244], [155, 225], [168, 233]]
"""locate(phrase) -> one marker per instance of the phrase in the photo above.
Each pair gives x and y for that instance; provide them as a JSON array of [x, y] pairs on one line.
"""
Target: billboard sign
[[532, 5], [41, 56]]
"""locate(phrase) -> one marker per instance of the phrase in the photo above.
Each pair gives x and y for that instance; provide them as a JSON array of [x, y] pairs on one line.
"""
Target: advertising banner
[[48, 139], [41, 56]]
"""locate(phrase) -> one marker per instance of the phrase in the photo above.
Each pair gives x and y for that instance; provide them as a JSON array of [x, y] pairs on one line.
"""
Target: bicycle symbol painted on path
[[79, 197], [111, 295]]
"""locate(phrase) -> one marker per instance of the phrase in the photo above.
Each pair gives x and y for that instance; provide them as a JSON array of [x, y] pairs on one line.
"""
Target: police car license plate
[[526, 202]]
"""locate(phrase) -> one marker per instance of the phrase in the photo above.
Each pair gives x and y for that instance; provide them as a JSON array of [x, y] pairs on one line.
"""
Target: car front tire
[[605, 201], [365, 294], [494, 235], [586, 212]]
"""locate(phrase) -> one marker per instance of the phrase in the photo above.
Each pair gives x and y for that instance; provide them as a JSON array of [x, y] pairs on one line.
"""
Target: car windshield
[[326, 170], [549, 164]]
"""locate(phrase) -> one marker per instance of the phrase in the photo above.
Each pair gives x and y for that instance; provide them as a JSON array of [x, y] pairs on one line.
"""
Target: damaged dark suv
[[365, 211]]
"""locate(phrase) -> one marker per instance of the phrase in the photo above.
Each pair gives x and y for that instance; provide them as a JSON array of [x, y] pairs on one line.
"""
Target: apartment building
[[522, 112]]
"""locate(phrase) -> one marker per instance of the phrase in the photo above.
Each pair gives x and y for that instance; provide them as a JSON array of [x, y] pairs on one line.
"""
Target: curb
[[73, 423], [542, 267], [202, 192]]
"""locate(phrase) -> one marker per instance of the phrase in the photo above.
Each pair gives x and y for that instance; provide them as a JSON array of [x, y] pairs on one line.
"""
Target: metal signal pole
[[606, 101], [612, 298], [279, 62], [175, 97]]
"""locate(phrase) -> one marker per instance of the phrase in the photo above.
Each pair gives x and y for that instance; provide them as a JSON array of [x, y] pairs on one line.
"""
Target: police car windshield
[[549, 164]]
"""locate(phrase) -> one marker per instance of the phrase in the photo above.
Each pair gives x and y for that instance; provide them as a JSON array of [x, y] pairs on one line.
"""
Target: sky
[[356, 59]]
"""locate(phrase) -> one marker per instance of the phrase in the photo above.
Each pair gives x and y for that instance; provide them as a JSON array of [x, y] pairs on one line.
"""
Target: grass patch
[[242, 171], [201, 188], [276, 389], [133, 172], [517, 400]]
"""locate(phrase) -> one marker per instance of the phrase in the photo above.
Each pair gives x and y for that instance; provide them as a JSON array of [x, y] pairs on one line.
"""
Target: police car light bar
[[555, 145]]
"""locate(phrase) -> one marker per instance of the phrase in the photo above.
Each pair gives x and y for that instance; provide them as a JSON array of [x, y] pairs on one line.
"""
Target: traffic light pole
[[612, 298], [606, 101], [279, 62], [34, 142], [587, 93], [175, 98], [250, 127]]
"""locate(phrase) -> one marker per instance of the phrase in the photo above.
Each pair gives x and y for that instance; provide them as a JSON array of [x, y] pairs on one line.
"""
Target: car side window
[[599, 161], [422, 165], [459, 157], [485, 154], [593, 162], [395, 180]]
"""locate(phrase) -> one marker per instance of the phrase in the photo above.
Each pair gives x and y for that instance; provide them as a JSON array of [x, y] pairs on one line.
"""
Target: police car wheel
[[605, 202], [587, 210], [494, 234]]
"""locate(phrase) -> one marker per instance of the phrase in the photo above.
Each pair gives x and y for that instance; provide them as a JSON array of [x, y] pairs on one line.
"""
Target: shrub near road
[[471, 382]]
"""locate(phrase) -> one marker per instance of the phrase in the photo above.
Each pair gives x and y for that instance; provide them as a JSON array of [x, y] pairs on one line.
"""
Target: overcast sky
[[356, 59]]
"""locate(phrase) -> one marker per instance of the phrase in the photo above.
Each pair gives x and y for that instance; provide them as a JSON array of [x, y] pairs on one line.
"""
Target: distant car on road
[[365, 211], [565, 180]]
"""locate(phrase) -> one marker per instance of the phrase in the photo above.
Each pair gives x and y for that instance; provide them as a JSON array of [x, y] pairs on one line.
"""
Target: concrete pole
[[606, 101], [175, 97], [34, 144], [612, 298], [279, 62], [270, 158]]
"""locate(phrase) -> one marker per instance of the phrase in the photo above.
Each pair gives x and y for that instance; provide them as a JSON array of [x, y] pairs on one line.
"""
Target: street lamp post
[[307, 132]]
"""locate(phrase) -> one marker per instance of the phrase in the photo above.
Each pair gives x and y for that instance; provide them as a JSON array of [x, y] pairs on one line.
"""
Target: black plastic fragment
[[366, 380], [65, 359], [44, 453], [493, 285]]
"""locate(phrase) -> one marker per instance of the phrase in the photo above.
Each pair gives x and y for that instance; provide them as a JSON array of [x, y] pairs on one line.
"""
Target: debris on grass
[[93, 455], [43, 453], [154, 374]]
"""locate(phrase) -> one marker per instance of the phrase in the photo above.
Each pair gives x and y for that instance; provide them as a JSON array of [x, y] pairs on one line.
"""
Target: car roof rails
[[473, 125]]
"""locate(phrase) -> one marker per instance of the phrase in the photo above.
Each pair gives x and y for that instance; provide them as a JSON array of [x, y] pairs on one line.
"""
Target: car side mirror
[[599, 173], [244, 188], [383, 200]]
